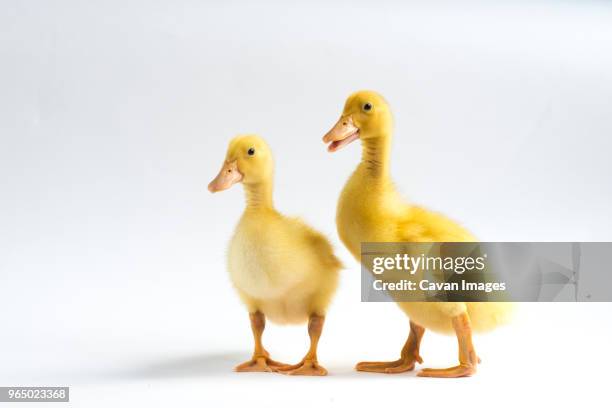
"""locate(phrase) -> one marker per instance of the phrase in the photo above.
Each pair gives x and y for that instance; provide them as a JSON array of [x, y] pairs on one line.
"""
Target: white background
[[114, 115]]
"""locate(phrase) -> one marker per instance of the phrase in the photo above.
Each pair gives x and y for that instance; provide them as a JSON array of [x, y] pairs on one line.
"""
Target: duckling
[[281, 268], [371, 210]]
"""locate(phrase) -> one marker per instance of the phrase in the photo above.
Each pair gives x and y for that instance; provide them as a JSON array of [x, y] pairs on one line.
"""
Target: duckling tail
[[486, 316]]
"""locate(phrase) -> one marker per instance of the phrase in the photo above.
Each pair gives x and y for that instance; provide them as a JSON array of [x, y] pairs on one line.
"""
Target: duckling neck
[[258, 196], [375, 157]]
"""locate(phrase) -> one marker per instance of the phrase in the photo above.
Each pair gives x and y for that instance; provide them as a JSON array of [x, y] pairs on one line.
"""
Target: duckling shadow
[[219, 365], [204, 365]]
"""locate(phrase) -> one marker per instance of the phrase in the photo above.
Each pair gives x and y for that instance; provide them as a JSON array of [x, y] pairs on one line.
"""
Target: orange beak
[[343, 133], [227, 177]]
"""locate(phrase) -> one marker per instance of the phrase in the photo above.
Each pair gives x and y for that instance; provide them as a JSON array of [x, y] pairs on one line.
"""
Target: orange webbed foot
[[260, 364], [305, 367], [462, 370], [389, 367]]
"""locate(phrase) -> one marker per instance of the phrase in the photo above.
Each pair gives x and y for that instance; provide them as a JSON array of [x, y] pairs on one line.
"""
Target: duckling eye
[[367, 106], [251, 151]]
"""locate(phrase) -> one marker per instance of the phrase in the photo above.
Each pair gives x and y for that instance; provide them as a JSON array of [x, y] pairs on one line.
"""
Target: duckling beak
[[343, 133], [227, 177]]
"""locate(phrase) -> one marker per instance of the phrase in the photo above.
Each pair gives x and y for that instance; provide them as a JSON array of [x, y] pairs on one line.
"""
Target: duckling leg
[[309, 364], [261, 360], [409, 356], [468, 360]]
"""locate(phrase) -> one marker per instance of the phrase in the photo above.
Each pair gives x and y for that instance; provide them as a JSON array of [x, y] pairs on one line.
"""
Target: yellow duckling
[[281, 268], [371, 210]]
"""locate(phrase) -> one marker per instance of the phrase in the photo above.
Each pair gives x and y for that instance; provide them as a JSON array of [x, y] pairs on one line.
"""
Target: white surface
[[115, 115]]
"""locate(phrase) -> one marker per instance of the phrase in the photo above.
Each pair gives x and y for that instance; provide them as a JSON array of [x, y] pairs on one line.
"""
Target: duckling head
[[248, 160], [366, 115]]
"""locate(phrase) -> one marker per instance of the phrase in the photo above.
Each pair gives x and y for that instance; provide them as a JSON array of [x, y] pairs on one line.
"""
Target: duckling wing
[[315, 244], [420, 225]]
